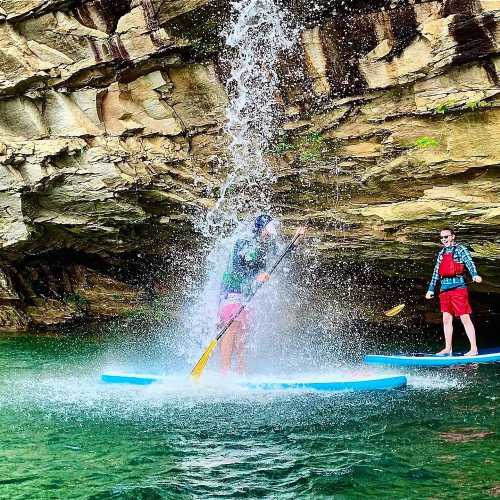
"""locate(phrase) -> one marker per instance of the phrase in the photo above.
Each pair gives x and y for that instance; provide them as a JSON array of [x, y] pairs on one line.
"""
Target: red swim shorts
[[229, 307], [455, 302]]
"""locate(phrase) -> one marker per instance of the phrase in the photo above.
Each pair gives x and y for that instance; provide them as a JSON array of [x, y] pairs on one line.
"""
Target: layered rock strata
[[112, 143]]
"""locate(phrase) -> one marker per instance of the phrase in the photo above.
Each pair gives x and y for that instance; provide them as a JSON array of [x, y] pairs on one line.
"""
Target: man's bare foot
[[471, 353], [444, 352]]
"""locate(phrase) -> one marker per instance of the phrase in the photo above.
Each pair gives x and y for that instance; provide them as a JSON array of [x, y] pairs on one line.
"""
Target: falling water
[[256, 37]]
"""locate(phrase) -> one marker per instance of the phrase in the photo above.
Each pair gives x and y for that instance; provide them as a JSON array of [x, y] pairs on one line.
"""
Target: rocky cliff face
[[111, 138]]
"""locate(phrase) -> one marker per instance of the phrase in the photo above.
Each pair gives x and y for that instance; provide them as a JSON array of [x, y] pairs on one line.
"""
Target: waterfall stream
[[255, 38], [257, 35]]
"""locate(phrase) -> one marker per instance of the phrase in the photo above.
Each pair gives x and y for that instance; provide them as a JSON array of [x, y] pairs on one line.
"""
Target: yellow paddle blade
[[202, 362], [394, 310]]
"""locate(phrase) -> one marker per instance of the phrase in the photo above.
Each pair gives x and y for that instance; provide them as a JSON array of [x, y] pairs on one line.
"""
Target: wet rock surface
[[111, 136], [50, 293]]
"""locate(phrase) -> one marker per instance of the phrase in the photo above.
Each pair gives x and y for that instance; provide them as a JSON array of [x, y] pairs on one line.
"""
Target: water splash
[[256, 37]]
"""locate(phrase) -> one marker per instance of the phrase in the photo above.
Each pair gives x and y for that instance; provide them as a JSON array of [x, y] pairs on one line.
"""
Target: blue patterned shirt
[[462, 255]]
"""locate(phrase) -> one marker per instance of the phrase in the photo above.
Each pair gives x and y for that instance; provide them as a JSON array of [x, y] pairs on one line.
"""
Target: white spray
[[255, 38]]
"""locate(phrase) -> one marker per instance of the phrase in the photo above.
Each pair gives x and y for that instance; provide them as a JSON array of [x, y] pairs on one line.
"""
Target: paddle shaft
[[273, 268]]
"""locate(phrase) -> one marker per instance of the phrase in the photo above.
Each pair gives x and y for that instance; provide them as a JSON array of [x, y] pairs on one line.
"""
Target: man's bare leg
[[471, 334], [448, 333], [227, 347]]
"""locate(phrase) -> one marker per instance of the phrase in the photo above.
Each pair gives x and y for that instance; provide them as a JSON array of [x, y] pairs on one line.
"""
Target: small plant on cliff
[[426, 142], [311, 145], [475, 105], [283, 146], [76, 299], [444, 107], [314, 138], [306, 156]]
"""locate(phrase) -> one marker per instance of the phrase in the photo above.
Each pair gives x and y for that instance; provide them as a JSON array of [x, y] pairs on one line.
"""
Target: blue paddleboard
[[422, 360], [358, 384], [130, 378]]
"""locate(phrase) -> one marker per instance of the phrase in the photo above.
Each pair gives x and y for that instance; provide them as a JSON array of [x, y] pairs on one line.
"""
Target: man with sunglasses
[[451, 262]]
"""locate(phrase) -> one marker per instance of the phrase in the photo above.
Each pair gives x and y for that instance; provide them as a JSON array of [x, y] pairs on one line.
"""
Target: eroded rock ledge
[[111, 137]]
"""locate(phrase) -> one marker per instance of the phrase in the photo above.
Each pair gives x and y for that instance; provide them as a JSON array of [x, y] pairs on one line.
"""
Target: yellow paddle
[[394, 310], [202, 362]]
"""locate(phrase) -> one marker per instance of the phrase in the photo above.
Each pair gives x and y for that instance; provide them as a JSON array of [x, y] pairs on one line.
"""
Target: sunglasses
[[444, 238]]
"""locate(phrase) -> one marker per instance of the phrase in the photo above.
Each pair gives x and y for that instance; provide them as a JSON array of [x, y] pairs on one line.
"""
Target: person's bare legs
[[240, 344], [471, 334], [448, 333], [227, 346]]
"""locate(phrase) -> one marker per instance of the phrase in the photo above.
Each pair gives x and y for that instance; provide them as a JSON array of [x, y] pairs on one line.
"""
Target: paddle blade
[[394, 310], [202, 362]]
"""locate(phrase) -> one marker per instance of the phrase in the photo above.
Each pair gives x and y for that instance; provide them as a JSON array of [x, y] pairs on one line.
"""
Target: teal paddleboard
[[354, 384]]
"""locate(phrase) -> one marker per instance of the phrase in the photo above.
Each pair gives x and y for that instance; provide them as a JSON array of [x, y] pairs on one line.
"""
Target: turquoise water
[[66, 435]]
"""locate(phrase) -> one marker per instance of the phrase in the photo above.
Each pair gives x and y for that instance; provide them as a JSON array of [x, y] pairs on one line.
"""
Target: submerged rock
[[464, 435]]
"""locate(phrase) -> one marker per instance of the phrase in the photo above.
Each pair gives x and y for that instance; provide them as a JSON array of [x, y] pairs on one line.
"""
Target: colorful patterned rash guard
[[248, 258]]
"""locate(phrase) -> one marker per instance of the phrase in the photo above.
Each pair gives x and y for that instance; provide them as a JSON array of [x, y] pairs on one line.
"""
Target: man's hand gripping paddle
[[202, 362]]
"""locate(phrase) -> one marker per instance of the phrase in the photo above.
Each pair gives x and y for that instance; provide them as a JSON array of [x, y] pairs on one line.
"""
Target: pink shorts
[[229, 307]]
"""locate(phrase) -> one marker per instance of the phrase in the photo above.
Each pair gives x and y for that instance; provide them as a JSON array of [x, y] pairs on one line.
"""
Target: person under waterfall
[[451, 262], [247, 266]]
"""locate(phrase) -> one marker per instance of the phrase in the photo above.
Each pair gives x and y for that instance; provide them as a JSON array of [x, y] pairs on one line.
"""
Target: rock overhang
[[118, 141]]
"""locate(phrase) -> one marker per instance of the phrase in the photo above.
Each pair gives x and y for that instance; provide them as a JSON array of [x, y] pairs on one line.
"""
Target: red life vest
[[449, 267]]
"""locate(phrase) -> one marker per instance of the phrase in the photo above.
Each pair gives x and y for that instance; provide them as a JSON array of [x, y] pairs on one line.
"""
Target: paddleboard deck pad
[[430, 360], [357, 384]]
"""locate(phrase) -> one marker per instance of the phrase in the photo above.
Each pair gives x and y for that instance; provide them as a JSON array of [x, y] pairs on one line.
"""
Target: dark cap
[[261, 222]]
